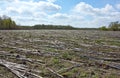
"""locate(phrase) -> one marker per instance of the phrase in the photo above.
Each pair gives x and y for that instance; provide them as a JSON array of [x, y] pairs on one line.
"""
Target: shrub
[[115, 26], [103, 28]]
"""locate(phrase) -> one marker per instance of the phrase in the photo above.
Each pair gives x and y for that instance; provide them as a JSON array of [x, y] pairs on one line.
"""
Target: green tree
[[103, 28], [7, 23], [115, 26]]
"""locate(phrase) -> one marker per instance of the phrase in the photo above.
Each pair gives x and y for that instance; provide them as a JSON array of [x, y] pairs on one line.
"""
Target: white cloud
[[28, 10], [47, 12], [59, 16], [65, 19], [86, 9], [96, 17], [85, 15], [30, 6], [118, 6], [51, 0]]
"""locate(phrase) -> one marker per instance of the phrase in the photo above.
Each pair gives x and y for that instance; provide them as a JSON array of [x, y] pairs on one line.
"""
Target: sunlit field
[[59, 54]]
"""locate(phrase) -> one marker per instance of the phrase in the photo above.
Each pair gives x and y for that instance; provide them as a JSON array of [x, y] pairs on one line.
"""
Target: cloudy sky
[[78, 13]]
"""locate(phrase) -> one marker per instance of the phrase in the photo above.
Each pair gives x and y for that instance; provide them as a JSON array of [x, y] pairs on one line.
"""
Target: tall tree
[[114, 26], [7, 23]]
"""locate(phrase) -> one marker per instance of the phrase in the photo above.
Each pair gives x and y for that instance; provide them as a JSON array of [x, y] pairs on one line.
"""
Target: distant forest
[[113, 26], [42, 26], [6, 23]]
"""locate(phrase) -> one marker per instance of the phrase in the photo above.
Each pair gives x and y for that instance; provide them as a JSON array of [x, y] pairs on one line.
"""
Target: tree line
[[7, 23], [113, 26], [43, 26], [52, 27]]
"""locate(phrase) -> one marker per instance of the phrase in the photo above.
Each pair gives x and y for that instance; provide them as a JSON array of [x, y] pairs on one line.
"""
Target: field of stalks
[[59, 54]]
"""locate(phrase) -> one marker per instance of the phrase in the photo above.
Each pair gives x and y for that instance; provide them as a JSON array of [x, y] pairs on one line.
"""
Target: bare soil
[[59, 54]]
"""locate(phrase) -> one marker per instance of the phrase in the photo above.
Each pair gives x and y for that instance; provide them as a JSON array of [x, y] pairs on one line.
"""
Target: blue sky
[[69, 4], [78, 13]]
